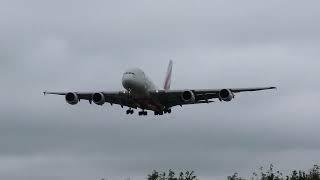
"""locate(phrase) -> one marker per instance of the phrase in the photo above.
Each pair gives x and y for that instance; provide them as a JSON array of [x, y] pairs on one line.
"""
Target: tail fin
[[167, 81]]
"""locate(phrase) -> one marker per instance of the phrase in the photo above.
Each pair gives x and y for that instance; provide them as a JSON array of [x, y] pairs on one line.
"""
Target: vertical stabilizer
[[167, 81]]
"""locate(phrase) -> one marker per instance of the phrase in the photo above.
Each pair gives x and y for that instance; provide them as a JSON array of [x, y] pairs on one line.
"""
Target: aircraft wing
[[172, 98], [117, 97]]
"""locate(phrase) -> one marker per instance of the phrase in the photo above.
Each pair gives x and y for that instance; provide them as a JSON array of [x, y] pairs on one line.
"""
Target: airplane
[[141, 93]]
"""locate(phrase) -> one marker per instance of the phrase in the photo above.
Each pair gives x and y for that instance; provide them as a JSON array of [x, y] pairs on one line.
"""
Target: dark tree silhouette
[[188, 175], [153, 176], [171, 175], [263, 174], [271, 174], [234, 177]]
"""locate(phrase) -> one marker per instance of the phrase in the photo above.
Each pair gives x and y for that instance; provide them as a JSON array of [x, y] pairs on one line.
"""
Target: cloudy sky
[[66, 45]]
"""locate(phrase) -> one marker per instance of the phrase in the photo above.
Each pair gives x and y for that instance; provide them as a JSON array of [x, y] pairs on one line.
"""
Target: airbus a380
[[141, 93]]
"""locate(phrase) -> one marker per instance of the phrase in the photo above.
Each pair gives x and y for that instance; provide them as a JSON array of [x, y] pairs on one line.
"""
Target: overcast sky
[[66, 45]]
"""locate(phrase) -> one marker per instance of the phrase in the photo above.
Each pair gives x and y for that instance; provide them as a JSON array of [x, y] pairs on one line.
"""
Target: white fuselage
[[139, 86], [137, 83]]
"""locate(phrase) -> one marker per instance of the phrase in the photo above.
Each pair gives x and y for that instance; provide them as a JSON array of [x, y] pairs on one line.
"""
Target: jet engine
[[98, 98], [226, 95], [188, 97], [72, 98]]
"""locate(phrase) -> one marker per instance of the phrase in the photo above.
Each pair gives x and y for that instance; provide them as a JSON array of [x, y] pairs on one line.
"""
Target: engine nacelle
[[98, 98], [188, 97], [226, 95], [72, 98]]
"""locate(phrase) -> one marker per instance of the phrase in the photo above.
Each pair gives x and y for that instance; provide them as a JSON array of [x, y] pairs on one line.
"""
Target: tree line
[[171, 175], [262, 174]]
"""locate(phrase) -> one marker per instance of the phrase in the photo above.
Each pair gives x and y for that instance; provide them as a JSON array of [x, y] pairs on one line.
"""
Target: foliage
[[271, 174], [263, 174], [171, 175], [234, 177]]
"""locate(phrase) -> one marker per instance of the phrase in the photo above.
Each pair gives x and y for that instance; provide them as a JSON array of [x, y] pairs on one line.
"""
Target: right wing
[[121, 98], [172, 98]]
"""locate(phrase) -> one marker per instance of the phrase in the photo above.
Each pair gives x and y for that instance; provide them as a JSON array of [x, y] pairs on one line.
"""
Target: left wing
[[172, 98], [121, 98]]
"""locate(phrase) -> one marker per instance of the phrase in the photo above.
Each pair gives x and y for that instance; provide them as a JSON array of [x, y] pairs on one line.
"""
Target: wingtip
[[273, 87]]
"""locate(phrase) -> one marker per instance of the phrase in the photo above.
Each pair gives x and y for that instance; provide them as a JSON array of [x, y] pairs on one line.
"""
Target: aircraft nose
[[127, 82]]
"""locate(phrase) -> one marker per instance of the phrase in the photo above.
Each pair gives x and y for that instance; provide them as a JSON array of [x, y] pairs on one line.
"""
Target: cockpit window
[[129, 73]]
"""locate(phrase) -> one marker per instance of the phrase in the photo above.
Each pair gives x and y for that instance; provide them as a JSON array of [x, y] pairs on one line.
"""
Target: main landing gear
[[129, 111], [162, 112], [143, 113], [156, 113]]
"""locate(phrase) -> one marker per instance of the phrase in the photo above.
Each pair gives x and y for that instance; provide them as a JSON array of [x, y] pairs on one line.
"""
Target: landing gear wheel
[[167, 111], [129, 111], [143, 113], [156, 113]]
